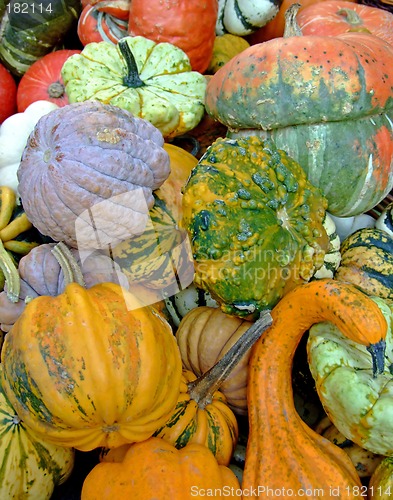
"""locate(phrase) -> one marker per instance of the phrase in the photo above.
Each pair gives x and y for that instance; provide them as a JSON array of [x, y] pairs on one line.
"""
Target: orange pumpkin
[[188, 24], [156, 469], [275, 27]]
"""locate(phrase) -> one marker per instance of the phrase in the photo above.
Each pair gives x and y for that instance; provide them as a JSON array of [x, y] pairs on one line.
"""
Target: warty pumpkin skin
[[282, 451], [30, 467], [255, 224], [323, 101], [91, 166], [91, 368], [156, 469]]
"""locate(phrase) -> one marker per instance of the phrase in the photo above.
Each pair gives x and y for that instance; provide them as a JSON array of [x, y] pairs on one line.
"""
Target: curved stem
[[202, 389], [291, 26], [11, 274], [71, 270], [351, 16], [132, 79]]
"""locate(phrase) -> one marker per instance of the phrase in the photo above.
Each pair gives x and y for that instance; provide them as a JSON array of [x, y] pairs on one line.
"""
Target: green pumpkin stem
[[291, 25], [132, 79], [202, 389], [351, 16], [11, 274], [71, 270]]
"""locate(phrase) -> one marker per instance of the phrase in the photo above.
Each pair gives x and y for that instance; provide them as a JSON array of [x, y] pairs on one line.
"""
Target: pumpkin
[[275, 27], [151, 80], [17, 238], [155, 468], [14, 132], [365, 462], [244, 17], [201, 414], [96, 25], [31, 467], [298, 457], [32, 30], [160, 257], [380, 486], [338, 129], [255, 224], [113, 373], [225, 47], [345, 226], [188, 24], [367, 262], [42, 81], [204, 335], [356, 399], [7, 94], [340, 16], [42, 273], [88, 172]]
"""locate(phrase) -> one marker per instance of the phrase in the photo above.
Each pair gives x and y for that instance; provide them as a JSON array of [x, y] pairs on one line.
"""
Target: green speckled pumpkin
[[327, 101], [152, 80], [255, 224], [367, 262]]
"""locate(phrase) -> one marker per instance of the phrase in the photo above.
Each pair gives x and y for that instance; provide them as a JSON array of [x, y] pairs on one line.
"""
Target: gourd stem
[[132, 79], [291, 27], [56, 90], [352, 17], [71, 270], [202, 389], [11, 274]]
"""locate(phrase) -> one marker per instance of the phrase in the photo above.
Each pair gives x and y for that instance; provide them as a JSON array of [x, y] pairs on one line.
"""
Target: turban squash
[[327, 101], [88, 173], [91, 367], [255, 224]]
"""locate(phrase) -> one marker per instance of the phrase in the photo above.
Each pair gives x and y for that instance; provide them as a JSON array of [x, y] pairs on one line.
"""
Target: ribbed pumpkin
[[367, 262], [204, 335], [30, 467], [356, 398], [90, 168], [255, 224], [156, 469], [91, 368], [202, 414], [323, 101], [283, 453]]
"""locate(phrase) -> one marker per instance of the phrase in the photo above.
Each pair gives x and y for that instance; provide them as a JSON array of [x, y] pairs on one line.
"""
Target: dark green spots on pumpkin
[[243, 194], [262, 182], [202, 220]]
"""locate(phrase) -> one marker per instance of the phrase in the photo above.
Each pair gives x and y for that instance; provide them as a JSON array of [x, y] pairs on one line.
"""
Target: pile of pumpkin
[[179, 219]]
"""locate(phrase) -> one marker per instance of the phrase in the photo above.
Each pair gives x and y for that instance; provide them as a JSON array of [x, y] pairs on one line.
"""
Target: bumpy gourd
[[255, 224]]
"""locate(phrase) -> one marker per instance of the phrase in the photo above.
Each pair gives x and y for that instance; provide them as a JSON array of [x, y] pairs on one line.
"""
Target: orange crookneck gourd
[[282, 451]]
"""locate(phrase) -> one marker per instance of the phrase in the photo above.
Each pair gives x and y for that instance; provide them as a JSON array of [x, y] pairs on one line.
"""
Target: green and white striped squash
[[332, 257], [359, 403], [159, 258], [30, 467], [367, 262], [243, 17], [385, 220]]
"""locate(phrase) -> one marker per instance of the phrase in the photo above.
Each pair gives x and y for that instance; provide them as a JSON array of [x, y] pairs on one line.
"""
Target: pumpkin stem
[[132, 79], [202, 389], [56, 90], [377, 352], [11, 274], [71, 270], [352, 17], [291, 25]]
